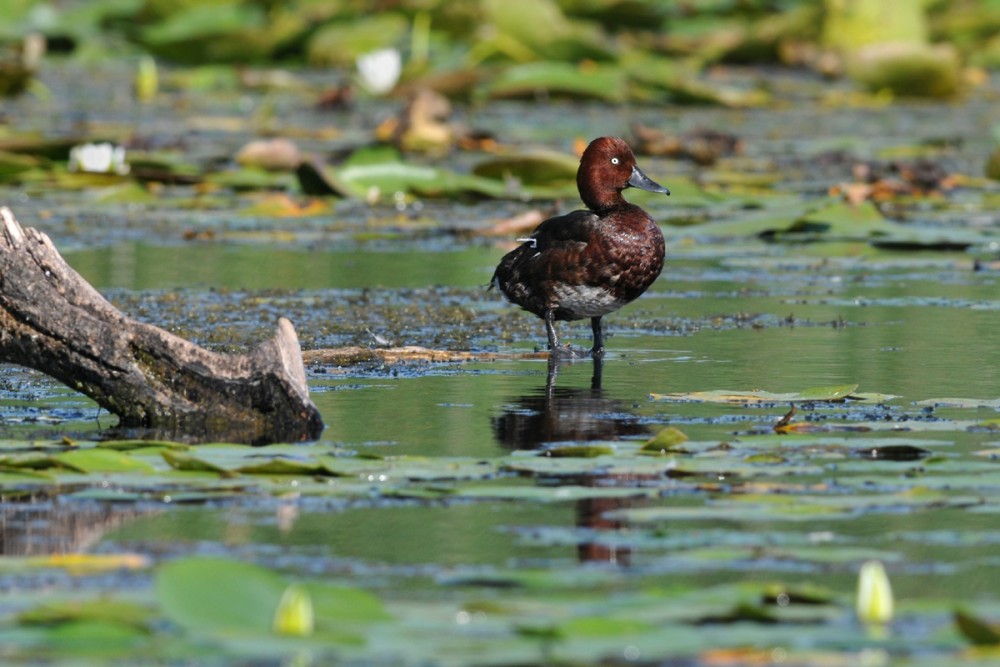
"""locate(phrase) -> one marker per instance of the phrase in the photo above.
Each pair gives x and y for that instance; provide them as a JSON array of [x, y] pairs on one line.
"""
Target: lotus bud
[[874, 604], [146, 80], [294, 615]]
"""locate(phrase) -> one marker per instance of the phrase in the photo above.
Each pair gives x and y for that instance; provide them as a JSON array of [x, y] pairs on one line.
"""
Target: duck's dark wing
[[564, 231], [553, 253]]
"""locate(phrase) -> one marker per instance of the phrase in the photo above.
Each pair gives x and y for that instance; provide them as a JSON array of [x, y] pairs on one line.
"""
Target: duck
[[589, 262]]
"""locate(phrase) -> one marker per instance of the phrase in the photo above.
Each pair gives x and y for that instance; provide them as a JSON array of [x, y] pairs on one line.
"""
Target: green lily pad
[[102, 460], [341, 42], [601, 82], [836, 393], [579, 451], [191, 462], [977, 630], [536, 167], [225, 598], [379, 173], [12, 165], [217, 596], [668, 439], [841, 220]]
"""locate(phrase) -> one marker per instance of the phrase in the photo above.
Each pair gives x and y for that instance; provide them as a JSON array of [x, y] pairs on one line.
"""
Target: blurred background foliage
[[612, 50]]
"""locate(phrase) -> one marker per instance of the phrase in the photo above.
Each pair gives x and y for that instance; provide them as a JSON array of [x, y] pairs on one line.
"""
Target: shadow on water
[[556, 414]]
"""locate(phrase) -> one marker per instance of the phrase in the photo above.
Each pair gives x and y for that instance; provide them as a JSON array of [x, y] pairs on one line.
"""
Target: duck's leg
[[598, 349], [550, 330]]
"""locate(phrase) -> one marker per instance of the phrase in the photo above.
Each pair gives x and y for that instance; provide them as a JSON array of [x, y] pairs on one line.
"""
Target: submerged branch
[[348, 356]]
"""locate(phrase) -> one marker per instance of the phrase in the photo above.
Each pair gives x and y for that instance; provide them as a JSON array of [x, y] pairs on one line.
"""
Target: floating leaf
[[102, 460], [78, 563], [380, 173], [127, 445], [284, 466], [602, 82], [191, 462], [809, 594], [13, 165], [990, 403], [918, 70], [218, 596], [666, 440], [833, 393], [538, 29], [341, 42], [219, 31], [743, 612], [977, 630], [104, 610], [221, 597], [560, 493], [579, 451], [536, 167]]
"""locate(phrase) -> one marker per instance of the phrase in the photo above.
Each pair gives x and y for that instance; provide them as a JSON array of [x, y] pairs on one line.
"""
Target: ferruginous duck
[[590, 262]]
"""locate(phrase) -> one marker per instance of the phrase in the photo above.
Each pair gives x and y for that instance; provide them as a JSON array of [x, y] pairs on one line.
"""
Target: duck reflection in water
[[576, 415]]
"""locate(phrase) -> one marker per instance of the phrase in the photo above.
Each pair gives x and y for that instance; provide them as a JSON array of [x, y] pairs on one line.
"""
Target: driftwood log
[[52, 320]]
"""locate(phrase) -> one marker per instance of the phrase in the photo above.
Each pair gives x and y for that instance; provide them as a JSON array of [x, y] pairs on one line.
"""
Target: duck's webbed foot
[[557, 350], [567, 351]]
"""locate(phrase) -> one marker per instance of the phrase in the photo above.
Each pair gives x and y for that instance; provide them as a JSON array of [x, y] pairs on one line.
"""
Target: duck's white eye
[[614, 160]]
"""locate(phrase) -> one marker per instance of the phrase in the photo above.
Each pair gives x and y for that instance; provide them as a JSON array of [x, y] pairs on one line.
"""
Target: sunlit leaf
[[666, 440], [102, 460], [379, 173], [77, 563]]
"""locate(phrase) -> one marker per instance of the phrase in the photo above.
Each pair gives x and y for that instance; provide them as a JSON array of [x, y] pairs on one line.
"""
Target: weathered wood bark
[[52, 320]]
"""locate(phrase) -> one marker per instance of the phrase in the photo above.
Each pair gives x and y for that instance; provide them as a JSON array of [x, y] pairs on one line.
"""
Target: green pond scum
[[789, 456]]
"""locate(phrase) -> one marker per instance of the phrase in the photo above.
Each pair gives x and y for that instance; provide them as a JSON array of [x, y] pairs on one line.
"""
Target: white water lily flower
[[875, 603], [380, 70], [102, 158]]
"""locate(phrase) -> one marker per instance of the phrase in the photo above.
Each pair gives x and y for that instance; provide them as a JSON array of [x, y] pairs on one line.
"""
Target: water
[[738, 315]]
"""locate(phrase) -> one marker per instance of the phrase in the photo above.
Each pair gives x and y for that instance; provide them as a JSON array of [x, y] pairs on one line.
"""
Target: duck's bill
[[644, 182]]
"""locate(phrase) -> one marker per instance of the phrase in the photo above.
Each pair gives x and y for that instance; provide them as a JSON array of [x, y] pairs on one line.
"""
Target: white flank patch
[[585, 301]]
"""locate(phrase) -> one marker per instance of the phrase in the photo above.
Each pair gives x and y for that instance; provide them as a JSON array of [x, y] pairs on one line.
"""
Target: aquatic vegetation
[[809, 387]]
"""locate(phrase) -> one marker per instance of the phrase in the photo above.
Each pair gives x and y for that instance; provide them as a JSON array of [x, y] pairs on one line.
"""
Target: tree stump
[[54, 321]]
